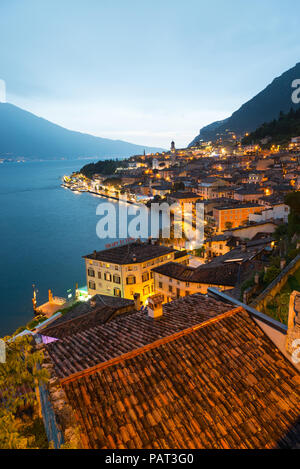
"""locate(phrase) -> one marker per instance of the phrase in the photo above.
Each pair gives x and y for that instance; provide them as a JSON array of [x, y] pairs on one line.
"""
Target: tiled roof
[[222, 384], [127, 253], [125, 333], [238, 206], [184, 195], [98, 310], [209, 274]]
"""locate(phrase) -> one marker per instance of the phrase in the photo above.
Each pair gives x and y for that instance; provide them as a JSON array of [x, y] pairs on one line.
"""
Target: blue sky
[[143, 71]]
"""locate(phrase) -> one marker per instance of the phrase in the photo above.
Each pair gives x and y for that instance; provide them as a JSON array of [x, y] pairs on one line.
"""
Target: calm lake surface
[[44, 231]]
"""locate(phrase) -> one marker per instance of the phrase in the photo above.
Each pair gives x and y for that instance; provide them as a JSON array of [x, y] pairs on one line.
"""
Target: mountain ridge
[[263, 107], [26, 135]]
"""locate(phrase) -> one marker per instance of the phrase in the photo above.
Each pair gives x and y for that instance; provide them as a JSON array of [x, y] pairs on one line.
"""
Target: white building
[[277, 212]]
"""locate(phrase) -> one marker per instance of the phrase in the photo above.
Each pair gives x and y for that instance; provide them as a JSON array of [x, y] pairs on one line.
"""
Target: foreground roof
[[123, 334], [98, 310], [220, 384]]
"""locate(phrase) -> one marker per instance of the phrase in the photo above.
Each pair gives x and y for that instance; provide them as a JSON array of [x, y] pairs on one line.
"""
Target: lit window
[[92, 285], [130, 280], [145, 277], [117, 292], [107, 276], [117, 279]]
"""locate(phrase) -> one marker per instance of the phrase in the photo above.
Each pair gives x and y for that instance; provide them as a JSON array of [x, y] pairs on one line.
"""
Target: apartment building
[[232, 216], [174, 280], [125, 270]]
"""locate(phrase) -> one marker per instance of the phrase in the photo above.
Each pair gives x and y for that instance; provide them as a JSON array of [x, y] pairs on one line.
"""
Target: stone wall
[[59, 420], [260, 303]]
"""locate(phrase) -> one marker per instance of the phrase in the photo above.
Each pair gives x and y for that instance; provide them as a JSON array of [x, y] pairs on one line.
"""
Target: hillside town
[[168, 346], [150, 229]]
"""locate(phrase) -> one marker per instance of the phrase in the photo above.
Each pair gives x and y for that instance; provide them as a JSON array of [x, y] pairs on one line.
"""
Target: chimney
[[155, 308], [95, 254], [133, 258], [137, 301], [244, 247], [293, 333]]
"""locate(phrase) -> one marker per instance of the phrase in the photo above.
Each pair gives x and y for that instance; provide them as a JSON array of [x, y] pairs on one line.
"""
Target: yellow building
[[216, 246], [174, 281], [125, 270]]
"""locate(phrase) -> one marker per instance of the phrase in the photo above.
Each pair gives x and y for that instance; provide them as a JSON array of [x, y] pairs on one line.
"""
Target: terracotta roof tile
[[125, 333], [221, 385]]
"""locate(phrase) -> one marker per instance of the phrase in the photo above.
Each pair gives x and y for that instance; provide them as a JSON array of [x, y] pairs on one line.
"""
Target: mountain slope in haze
[[22, 134], [264, 107]]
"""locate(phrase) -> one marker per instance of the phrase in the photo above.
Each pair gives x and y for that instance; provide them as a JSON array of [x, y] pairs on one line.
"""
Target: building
[[209, 186], [174, 280], [194, 373], [248, 195], [278, 211], [252, 230], [232, 216], [125, 270], [216, 246], [184, 198]]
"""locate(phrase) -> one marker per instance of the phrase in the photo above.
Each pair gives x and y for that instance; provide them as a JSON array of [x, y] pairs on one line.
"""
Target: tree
[[20, 377], [271, 274], [292, 199]]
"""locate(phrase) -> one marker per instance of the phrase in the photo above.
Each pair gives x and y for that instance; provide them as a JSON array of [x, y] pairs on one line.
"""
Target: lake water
[[44, 231]]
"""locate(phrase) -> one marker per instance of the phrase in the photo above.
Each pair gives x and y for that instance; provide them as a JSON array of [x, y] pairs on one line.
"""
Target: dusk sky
[[143, 71]]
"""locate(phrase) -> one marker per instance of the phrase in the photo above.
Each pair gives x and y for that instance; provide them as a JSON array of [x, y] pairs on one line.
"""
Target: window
[[117, 279], [170, 288], [159, 284], [145, 277], [130, 280], [117, 292], [116, 267], [92, 285], [99, 274], [107, 276], [91, 273], [146, 290], [187, 284]]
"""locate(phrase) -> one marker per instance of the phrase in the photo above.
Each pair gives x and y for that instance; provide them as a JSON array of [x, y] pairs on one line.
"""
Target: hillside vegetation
[[279, 130]]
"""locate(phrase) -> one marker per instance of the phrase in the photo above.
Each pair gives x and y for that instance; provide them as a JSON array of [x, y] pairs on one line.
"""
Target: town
[[150, 229], [155, 313]]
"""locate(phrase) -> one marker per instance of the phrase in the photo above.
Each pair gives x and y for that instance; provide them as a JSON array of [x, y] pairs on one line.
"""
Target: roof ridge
[[145, 348]]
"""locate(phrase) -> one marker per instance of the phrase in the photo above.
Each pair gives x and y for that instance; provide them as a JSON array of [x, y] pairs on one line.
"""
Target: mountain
[[264, 107], [22, 134], [276, 132]]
